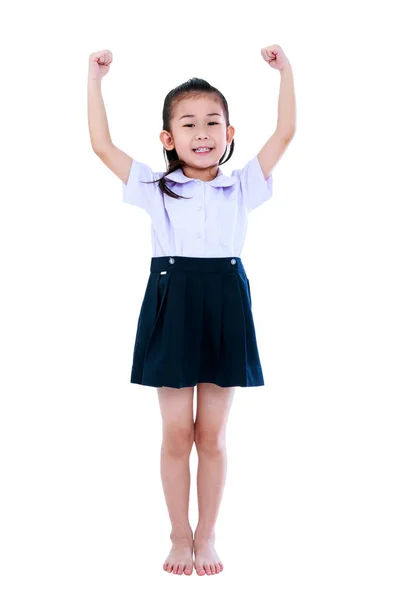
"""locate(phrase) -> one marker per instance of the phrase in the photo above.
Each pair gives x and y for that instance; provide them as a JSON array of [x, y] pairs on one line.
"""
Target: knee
[[178, 441], [210, 442]]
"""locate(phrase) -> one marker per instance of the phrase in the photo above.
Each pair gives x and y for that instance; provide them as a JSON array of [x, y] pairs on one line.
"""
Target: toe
[[169, 567], [188, 570], [201, 570], [175, 569], [208, 570], [212, 569], [180, 569]]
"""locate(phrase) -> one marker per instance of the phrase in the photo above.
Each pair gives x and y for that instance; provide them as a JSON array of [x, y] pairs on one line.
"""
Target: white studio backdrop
[[310, 508]]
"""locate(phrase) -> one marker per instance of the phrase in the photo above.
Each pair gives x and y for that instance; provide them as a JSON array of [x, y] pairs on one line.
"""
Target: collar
[[221, 180]]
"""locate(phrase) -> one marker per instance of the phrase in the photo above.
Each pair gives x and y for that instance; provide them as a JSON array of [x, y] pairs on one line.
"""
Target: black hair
[[192, 88]]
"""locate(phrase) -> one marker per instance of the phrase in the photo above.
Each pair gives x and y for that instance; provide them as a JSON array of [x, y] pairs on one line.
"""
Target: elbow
[[100, 150], [287, 134]]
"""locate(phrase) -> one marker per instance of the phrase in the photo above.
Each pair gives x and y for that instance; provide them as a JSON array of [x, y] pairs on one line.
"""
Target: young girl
[[195, 327]]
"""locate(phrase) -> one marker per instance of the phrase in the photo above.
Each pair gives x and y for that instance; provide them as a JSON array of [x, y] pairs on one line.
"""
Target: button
[[233, 261], [172, 260], [198, 234], [198, 181]]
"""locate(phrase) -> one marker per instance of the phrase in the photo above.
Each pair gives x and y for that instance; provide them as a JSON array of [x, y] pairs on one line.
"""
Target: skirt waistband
[[199, 265]]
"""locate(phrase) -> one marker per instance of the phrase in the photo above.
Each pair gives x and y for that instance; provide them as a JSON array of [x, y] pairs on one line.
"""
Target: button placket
[[200, 198]]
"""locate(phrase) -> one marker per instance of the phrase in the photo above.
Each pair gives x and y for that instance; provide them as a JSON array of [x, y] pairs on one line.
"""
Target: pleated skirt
[[196, 325]]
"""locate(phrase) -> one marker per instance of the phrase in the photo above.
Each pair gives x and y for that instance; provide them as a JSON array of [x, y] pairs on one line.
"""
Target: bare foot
[[180, 559], [206, 559]]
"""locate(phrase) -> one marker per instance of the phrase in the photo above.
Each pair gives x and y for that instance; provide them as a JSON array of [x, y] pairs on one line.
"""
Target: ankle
[[204, 535]]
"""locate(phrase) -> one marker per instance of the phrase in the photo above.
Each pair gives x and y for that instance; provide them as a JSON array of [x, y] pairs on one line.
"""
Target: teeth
[[202, 149]]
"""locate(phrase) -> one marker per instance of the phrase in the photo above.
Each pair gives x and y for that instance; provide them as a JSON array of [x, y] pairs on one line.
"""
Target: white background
[[310, 508]]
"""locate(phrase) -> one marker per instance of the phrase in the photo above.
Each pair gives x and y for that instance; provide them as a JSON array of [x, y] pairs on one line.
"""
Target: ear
[[166, 140], [230, 132]]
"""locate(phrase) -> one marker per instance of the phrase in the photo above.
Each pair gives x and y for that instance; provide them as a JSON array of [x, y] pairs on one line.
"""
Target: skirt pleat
[[196, 325]]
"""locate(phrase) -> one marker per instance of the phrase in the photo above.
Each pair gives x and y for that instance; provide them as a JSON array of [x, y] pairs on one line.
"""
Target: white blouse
[[212, 222]]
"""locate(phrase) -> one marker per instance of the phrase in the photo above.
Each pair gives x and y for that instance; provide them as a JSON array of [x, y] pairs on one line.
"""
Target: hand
[[99, 63], [275, 57]]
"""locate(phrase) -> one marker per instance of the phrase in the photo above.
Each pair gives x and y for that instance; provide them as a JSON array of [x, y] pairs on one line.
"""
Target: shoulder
[[142, 188], [141, 170], [252, 167], [254, 187]]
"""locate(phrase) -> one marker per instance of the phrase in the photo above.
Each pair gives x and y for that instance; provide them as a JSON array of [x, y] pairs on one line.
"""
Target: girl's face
[[196, 123]]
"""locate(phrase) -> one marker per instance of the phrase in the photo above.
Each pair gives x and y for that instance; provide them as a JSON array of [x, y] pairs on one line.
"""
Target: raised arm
[[274, 148], [115, 159]]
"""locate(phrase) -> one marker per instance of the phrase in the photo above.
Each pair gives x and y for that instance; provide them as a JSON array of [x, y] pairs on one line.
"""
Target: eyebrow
[[208, 115]]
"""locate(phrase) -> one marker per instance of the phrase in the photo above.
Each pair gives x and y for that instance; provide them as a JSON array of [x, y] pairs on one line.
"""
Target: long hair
[[192, 88]]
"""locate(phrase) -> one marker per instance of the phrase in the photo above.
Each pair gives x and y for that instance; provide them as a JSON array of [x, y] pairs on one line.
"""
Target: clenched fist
[[99, 63]]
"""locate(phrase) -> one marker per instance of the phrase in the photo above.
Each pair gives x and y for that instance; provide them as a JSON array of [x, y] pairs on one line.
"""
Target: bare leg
[[178, 436], [213, 407]]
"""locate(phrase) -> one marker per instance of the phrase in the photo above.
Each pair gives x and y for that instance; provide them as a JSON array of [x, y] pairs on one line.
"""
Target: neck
[[205, 174]]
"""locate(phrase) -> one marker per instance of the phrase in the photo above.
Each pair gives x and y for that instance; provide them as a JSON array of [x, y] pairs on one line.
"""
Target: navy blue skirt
[[196, 325]]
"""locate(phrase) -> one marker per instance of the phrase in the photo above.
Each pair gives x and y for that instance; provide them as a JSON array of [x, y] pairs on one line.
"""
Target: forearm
[[97, 117], [286, 103]]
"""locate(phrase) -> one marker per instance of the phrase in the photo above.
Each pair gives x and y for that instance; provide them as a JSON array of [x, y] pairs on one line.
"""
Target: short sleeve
[[138, 193], [254, 188]]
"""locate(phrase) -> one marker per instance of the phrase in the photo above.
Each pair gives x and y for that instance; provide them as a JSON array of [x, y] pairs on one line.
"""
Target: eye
[[211, 123]]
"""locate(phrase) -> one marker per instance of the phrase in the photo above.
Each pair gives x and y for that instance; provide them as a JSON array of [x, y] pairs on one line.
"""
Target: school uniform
[[196, 324]]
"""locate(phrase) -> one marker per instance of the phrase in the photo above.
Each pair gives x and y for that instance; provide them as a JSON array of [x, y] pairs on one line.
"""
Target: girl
[[195, 327]]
